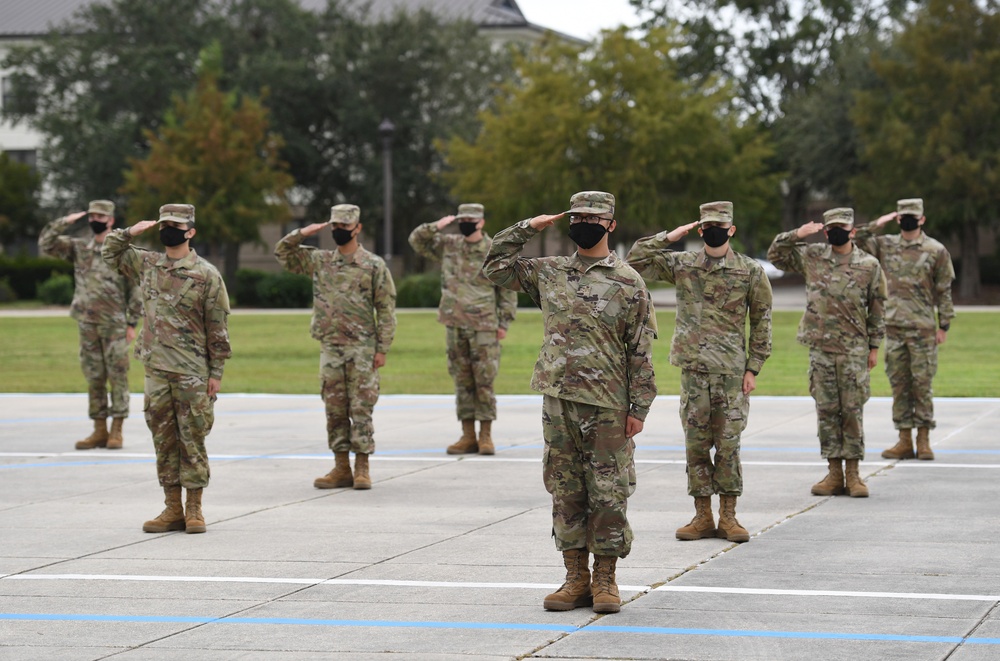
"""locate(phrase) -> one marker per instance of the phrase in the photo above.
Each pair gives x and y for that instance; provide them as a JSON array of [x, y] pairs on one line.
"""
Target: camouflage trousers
[[350, 388], [104, 359], [910, 364], [473, 363], [840, 384], [588, 467], [714, 414], [180, 414]]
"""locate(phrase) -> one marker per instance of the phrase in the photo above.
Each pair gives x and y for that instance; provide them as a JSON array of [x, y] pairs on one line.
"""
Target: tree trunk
[[231, 262], [968, 280], [793, 212]]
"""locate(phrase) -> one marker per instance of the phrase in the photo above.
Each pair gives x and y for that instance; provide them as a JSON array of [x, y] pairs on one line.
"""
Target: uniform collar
[[185, 262], [352, 258], [919, 241], [709, 263], [611, 261]]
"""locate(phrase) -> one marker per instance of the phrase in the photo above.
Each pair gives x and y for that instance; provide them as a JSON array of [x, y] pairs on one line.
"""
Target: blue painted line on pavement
[[502, 626]]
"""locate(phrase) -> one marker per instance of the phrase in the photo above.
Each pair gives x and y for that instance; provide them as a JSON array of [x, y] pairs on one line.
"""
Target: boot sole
[[739, 539], [892, 455], [690, 537], [193, 530], [564, 606], [607, 608], [925, 458], [362, 487], [175, 526], [336, 485], [476, 451], [487, 452], [835, 492]]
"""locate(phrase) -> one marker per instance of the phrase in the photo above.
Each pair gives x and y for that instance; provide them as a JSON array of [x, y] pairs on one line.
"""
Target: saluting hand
[[444, 222], [141, 227], [809, 229], [543, 221], [309, 230], [73, 217], [679, 233], [882, 221]]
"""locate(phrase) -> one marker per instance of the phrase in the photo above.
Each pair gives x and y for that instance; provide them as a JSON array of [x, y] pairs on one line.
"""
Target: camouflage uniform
[[104, 304], [714, 297], [184, 342], [844, 319], [594, 369], [473, 309], [354, 303], [919, 274]]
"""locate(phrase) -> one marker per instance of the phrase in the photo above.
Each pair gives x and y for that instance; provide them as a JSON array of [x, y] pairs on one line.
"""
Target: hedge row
[[23, 274]]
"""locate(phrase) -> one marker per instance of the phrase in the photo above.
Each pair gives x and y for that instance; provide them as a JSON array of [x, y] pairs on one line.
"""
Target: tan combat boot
[[729, 527], [856, 488], [115, 439], [171, 518], [340, 477], [702, 525], [903, 449], [466, 444], [194, 520], [486, 437], [361, 479], [98, 438], [606, 599], [575, 591], [924, 444], [833, 483]]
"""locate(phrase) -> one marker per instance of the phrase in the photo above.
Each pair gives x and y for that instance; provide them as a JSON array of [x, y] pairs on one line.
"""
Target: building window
[[27, 157]]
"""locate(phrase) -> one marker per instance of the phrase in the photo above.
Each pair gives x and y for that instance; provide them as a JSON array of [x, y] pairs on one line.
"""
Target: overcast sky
[[580, 18]]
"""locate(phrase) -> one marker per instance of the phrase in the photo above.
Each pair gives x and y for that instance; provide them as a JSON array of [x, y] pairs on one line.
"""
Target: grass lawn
[[274, 354]]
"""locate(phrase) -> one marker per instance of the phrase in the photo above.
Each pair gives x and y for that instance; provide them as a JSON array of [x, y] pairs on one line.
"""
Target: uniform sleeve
[[54, 243], [786, 252], [506, 306], [639, 354], [292, 255], [427, 241], [760, 321], [120, 255], [217, 326], [384, 291], [504, 265], [650, 257], [133, 301], [944, 274], [876, 309], [867, 239]]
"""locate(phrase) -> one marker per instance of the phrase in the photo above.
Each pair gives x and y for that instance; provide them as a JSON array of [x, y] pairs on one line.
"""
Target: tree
[[932, 128], [615, 117], [214, 150], [19, 186]]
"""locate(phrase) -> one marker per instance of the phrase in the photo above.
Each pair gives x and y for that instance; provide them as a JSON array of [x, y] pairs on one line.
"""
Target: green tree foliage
[[932, 129], [616, 117], [19, 186], [213, 150], [98, 81]]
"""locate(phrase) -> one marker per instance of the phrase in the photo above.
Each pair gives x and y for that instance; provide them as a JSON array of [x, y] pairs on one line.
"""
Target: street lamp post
[[387, 129]]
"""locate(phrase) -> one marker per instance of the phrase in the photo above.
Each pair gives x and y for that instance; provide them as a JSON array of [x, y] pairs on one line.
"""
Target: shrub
[[57, 290], [284, 290], [7, 294], [246, 287], [24, 274], [419, 291]]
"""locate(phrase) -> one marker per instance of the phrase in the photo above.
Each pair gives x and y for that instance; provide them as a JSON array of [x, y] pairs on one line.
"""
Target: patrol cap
[[716, 212], [103, 207], [838, 216], [470, 211], [593, 201], [345, 214], [913, 206], [178, 213]]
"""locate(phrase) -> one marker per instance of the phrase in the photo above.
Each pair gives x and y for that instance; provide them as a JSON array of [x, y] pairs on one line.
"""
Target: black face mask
[[468, 228], [98, 226], [172, 236], [342, 236], [908, 222], [587, 235], [714, 236], [837, 236]]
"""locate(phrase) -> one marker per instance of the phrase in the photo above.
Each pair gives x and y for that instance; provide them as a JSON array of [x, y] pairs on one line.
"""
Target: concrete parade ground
[[449, 558]]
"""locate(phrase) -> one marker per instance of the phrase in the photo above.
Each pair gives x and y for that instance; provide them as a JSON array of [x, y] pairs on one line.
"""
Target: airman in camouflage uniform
[[107, 308], [354, 318], [716, 289], [918, 314], [843, 325], [184, 345], [596, 374], [476, 313]]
